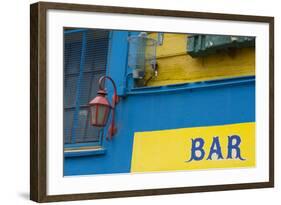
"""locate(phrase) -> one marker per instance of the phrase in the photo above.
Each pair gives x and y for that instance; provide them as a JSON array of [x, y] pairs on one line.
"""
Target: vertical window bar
[[77, 101], [101, 133]]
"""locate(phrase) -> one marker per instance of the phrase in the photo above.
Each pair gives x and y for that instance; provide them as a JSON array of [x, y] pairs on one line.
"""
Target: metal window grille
[[85, 59], [202, 45]]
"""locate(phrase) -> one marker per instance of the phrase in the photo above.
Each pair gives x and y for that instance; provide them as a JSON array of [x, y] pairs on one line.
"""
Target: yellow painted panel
[[173, 44], [176, 66], [168, 150]]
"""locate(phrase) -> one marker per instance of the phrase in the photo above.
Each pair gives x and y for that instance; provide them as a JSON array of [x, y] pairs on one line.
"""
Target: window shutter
[[81, 75]]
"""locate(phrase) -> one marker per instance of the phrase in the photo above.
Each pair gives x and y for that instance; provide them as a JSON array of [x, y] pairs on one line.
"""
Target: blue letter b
[[197, 146]]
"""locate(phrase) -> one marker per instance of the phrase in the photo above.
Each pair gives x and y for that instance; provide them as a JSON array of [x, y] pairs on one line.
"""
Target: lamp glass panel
[[102, 116], [93, 114]]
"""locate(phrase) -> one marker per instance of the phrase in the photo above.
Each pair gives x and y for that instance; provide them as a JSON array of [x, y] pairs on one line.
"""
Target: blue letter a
[[215, 149]]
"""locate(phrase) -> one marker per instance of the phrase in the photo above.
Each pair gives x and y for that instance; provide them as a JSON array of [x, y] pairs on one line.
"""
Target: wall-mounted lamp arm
[[112, 128]]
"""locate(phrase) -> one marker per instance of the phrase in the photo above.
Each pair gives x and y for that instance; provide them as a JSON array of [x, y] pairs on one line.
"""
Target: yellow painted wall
[[176, 66], [168, 150]]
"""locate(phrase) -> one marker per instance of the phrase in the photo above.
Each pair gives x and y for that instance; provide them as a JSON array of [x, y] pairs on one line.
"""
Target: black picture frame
[[38, 100]]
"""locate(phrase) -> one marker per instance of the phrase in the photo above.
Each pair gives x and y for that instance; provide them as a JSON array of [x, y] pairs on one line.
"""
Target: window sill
[[83, 151]]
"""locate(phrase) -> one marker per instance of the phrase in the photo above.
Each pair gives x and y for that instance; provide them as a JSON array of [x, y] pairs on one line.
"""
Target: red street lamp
[[100, 107]]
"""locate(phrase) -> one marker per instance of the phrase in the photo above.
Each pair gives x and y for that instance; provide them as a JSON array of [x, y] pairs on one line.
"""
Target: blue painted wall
[[189, 105]]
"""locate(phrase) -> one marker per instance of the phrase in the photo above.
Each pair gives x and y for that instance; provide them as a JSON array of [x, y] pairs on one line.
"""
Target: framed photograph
[[134, 102]]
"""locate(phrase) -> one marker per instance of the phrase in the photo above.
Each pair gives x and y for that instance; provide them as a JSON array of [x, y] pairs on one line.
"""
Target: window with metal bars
[[85, 60], [199, 45]]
